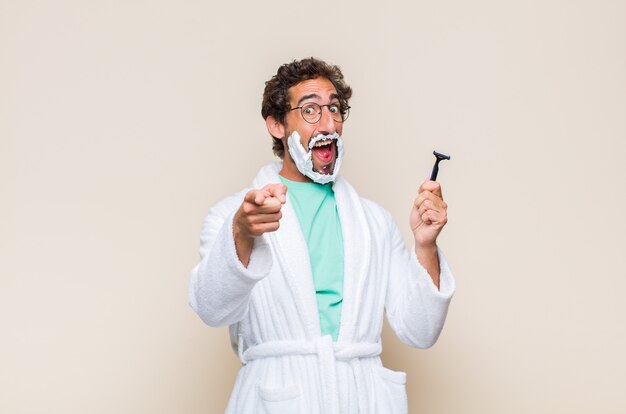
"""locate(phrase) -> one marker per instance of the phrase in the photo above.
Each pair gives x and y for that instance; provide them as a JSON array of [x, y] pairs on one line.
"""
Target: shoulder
[[376, 214]]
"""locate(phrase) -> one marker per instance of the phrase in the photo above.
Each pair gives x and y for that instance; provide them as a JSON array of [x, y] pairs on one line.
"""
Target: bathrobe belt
[[328, 352]]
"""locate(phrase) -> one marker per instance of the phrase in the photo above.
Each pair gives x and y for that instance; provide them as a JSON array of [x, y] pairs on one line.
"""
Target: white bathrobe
[[288, 367]]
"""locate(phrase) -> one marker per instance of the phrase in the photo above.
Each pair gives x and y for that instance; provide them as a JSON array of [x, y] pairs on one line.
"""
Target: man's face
[[322, 92]]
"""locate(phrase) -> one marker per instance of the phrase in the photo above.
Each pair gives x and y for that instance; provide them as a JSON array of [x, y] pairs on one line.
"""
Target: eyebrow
[[305, 97], [314, 95]]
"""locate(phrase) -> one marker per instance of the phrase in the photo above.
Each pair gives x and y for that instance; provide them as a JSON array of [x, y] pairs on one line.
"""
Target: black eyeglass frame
[[344, 112]]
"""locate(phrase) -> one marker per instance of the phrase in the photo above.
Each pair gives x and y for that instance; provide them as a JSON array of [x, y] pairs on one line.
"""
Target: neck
[[291, 172]]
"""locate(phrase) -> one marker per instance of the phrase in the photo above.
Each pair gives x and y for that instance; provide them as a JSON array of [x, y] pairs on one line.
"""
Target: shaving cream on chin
[[304, 159]]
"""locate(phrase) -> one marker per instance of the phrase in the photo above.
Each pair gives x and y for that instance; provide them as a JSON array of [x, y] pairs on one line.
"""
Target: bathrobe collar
[[293, 257]]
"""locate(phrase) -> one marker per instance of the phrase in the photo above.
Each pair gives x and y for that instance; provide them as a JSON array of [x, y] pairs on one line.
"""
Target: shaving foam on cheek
[[304, 159]]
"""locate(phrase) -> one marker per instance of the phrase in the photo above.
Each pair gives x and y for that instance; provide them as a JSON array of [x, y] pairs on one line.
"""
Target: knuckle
[[248, 222]]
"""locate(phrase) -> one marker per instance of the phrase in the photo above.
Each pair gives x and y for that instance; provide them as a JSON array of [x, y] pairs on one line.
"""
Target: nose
[[327, 125]]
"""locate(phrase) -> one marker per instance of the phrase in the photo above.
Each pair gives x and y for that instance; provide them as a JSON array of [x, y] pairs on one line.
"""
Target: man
[[302, 268]]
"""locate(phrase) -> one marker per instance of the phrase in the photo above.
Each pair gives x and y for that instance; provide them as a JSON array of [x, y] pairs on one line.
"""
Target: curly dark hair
[[276, 94]]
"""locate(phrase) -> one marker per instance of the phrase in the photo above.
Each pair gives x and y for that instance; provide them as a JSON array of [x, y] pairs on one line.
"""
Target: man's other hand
[[428, 215], [259, 213]]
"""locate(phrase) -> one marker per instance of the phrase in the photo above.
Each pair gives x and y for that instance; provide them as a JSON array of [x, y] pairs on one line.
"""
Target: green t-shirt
[[317, 213]]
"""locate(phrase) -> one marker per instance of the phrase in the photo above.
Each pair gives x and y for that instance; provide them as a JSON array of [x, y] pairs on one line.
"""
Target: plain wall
[[122, 122]]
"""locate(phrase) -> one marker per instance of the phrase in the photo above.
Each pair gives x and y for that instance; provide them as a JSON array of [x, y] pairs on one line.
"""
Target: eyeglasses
[[312, 112]]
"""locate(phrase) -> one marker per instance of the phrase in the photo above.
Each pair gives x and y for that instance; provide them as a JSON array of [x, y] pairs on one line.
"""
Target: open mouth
[[324, 151]]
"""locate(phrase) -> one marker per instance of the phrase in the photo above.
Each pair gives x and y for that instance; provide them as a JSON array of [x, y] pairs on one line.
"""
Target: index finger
[[432, 186]]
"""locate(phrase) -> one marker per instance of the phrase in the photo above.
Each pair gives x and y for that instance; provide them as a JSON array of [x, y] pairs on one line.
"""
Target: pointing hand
[[259, 213]]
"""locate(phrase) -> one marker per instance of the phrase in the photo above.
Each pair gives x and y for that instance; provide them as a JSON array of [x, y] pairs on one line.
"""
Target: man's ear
[[275, 128]]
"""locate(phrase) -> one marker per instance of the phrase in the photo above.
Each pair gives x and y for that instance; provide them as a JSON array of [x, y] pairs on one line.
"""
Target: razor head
[[441, 156]]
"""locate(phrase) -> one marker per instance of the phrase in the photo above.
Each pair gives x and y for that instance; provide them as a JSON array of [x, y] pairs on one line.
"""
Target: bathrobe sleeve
[[220, 286], [416, 309]]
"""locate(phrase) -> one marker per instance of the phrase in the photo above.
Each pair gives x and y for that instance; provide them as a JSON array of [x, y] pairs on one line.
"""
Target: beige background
[[122, 122]]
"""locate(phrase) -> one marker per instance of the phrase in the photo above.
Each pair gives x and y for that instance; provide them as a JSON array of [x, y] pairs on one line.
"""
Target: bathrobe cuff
[[221, 286], [260, 262], [446, 280], [421, 312]]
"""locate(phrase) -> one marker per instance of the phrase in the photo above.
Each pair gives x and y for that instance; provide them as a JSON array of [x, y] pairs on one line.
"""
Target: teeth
[[322, 143]]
